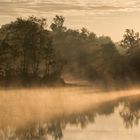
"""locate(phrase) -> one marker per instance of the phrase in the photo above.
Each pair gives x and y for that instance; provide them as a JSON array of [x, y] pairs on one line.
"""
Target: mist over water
[[21, 107]]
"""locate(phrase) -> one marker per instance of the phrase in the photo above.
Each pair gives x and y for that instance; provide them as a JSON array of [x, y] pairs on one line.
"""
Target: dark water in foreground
[[69, 114]]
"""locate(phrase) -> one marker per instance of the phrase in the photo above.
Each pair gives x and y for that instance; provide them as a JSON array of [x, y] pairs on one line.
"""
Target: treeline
[[27, 55], [97, 59], [30, 52]]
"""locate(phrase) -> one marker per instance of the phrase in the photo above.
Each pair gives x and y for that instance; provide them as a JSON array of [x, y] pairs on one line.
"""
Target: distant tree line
[[32, 53], [97, 59]]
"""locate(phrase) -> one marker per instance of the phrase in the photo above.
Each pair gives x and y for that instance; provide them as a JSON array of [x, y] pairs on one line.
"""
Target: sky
[[103, 17]]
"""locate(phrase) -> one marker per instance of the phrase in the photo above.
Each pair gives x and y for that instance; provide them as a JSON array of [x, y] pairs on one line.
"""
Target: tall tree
[[57, 25], [131, 40]]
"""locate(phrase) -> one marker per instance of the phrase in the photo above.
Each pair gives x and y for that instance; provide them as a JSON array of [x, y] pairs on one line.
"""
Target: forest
[[33, 53]]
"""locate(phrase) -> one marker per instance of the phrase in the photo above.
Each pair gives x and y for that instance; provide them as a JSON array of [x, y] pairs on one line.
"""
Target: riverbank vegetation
[[32, 53]]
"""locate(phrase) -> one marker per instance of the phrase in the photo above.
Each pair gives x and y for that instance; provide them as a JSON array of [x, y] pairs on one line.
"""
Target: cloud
[[15, 8], [62, 5], [96, 15]]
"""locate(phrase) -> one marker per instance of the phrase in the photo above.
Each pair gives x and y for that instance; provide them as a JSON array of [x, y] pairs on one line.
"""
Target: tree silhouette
[[26, 49], [131, 40]]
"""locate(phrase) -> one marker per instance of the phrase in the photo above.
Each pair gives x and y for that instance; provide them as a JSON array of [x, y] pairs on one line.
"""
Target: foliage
[[131, 40], [89, 57], [30, 52], [26, 50]]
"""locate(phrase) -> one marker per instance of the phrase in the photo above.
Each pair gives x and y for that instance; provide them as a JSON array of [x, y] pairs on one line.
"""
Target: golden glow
[[109, 17], [21, 107]]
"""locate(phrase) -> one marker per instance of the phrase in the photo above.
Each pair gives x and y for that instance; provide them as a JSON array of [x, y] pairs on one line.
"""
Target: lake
[[69, 113]]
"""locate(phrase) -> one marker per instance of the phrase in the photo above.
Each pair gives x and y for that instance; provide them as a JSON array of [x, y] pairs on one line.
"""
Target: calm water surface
[[69, 114]]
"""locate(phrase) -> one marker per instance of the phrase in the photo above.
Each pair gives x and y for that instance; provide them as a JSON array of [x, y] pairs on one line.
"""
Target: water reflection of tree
[[131, 112], [54, 128], [44, 130]]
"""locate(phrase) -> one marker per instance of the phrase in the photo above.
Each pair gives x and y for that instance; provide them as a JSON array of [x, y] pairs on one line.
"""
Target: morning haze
[[69, 69]]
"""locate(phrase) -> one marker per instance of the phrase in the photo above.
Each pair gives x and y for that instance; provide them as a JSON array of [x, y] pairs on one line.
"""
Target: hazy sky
[[108, 17]]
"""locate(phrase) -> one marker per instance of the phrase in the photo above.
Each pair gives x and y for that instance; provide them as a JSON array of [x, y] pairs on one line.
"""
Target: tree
[[131, 40], [57, 25], [48, 53], [23, 37]]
